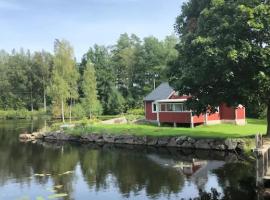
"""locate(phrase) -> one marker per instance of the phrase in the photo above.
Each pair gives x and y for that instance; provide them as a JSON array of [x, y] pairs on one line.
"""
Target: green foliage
[[78, 111], [124, 74], [84, 122], [131, 118], [224, 53], [64, 77], [20, 114], [136, 111], [116, 102], [91, 104]]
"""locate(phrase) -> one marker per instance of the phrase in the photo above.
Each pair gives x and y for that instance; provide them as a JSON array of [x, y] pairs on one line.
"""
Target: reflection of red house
[[163, 105]]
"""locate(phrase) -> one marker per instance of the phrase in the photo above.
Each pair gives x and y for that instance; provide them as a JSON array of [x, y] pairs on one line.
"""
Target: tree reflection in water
[[120, 172]]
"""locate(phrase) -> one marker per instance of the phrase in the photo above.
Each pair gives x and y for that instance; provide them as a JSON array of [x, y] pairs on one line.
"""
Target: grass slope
[[214, 131]]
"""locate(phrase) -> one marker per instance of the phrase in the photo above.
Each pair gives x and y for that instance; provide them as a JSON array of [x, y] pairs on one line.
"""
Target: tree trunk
[[62, 109], [44, 95], [44, 100], [70, 104], [32, 106], [268, 120]]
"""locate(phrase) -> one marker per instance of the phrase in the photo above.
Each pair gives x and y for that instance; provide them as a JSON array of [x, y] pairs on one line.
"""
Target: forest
[[107, 80]]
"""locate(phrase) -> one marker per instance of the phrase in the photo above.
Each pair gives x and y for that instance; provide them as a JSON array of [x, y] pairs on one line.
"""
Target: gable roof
[[163, 91]]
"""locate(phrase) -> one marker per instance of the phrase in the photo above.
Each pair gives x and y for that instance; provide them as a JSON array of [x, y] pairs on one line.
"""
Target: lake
[[72, 171]]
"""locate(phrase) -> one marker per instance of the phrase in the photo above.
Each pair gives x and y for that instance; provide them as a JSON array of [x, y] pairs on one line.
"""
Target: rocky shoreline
[[172, 141]]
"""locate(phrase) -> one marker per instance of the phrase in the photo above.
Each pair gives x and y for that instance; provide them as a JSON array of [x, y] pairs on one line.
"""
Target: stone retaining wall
[[177, 141]]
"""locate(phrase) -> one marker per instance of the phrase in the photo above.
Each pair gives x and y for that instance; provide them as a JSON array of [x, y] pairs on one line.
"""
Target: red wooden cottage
[[163, 105]]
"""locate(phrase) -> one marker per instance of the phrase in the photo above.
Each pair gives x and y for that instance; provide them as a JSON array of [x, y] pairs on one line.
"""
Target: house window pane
[[170, 107], [178, 107], [162, 107], [185, 107], [154, 108]]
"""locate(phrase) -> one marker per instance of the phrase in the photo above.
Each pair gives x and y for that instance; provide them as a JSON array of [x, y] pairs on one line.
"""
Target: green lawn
[[214, 131]]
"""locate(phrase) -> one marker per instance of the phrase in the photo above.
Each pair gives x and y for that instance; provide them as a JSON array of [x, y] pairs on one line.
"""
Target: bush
[[132, 118], [78, 111], [137, 111]]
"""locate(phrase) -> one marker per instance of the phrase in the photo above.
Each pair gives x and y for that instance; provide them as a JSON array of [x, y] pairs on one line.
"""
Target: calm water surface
[[40, 170]]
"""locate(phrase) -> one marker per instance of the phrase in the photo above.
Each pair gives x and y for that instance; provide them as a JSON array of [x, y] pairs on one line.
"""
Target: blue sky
[[34, 24]]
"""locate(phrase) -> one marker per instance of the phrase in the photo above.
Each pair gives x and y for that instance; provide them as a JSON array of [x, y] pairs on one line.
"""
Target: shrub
[[137, 111], [78, 111]]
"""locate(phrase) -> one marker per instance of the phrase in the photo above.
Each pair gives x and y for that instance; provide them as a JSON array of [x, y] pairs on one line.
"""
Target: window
[[162, 107], [154, 107], [170, 107], [178, 107]]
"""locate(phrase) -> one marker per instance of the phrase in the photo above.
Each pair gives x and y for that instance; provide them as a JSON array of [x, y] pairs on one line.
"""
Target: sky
[[35, 24]]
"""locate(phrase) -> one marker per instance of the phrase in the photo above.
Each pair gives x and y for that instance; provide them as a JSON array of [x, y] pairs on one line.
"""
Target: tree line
[[108, 79]]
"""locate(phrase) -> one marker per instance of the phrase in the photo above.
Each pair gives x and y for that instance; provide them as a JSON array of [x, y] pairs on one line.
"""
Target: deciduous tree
[[224, 53]]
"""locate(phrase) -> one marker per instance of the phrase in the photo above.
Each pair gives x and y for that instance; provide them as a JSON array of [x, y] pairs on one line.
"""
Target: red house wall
[[183, 117], [226, 113], [148, 109], [201, 118], [214, 116], [198, 119]]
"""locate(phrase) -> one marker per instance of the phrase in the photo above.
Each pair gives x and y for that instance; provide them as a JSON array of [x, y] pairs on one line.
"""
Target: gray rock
[[187, 144], [124, 139], [220, 147], [139, 140], [151, 140], [74, 138], [231, 144], [97, 137], [202, 144], [191, 140], [163, 141], [240, 145], [173, 142], [108, 138], [57, 136], [87, 138]]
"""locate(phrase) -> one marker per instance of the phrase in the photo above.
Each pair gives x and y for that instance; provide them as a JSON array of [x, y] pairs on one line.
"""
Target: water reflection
[[116, 172]]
